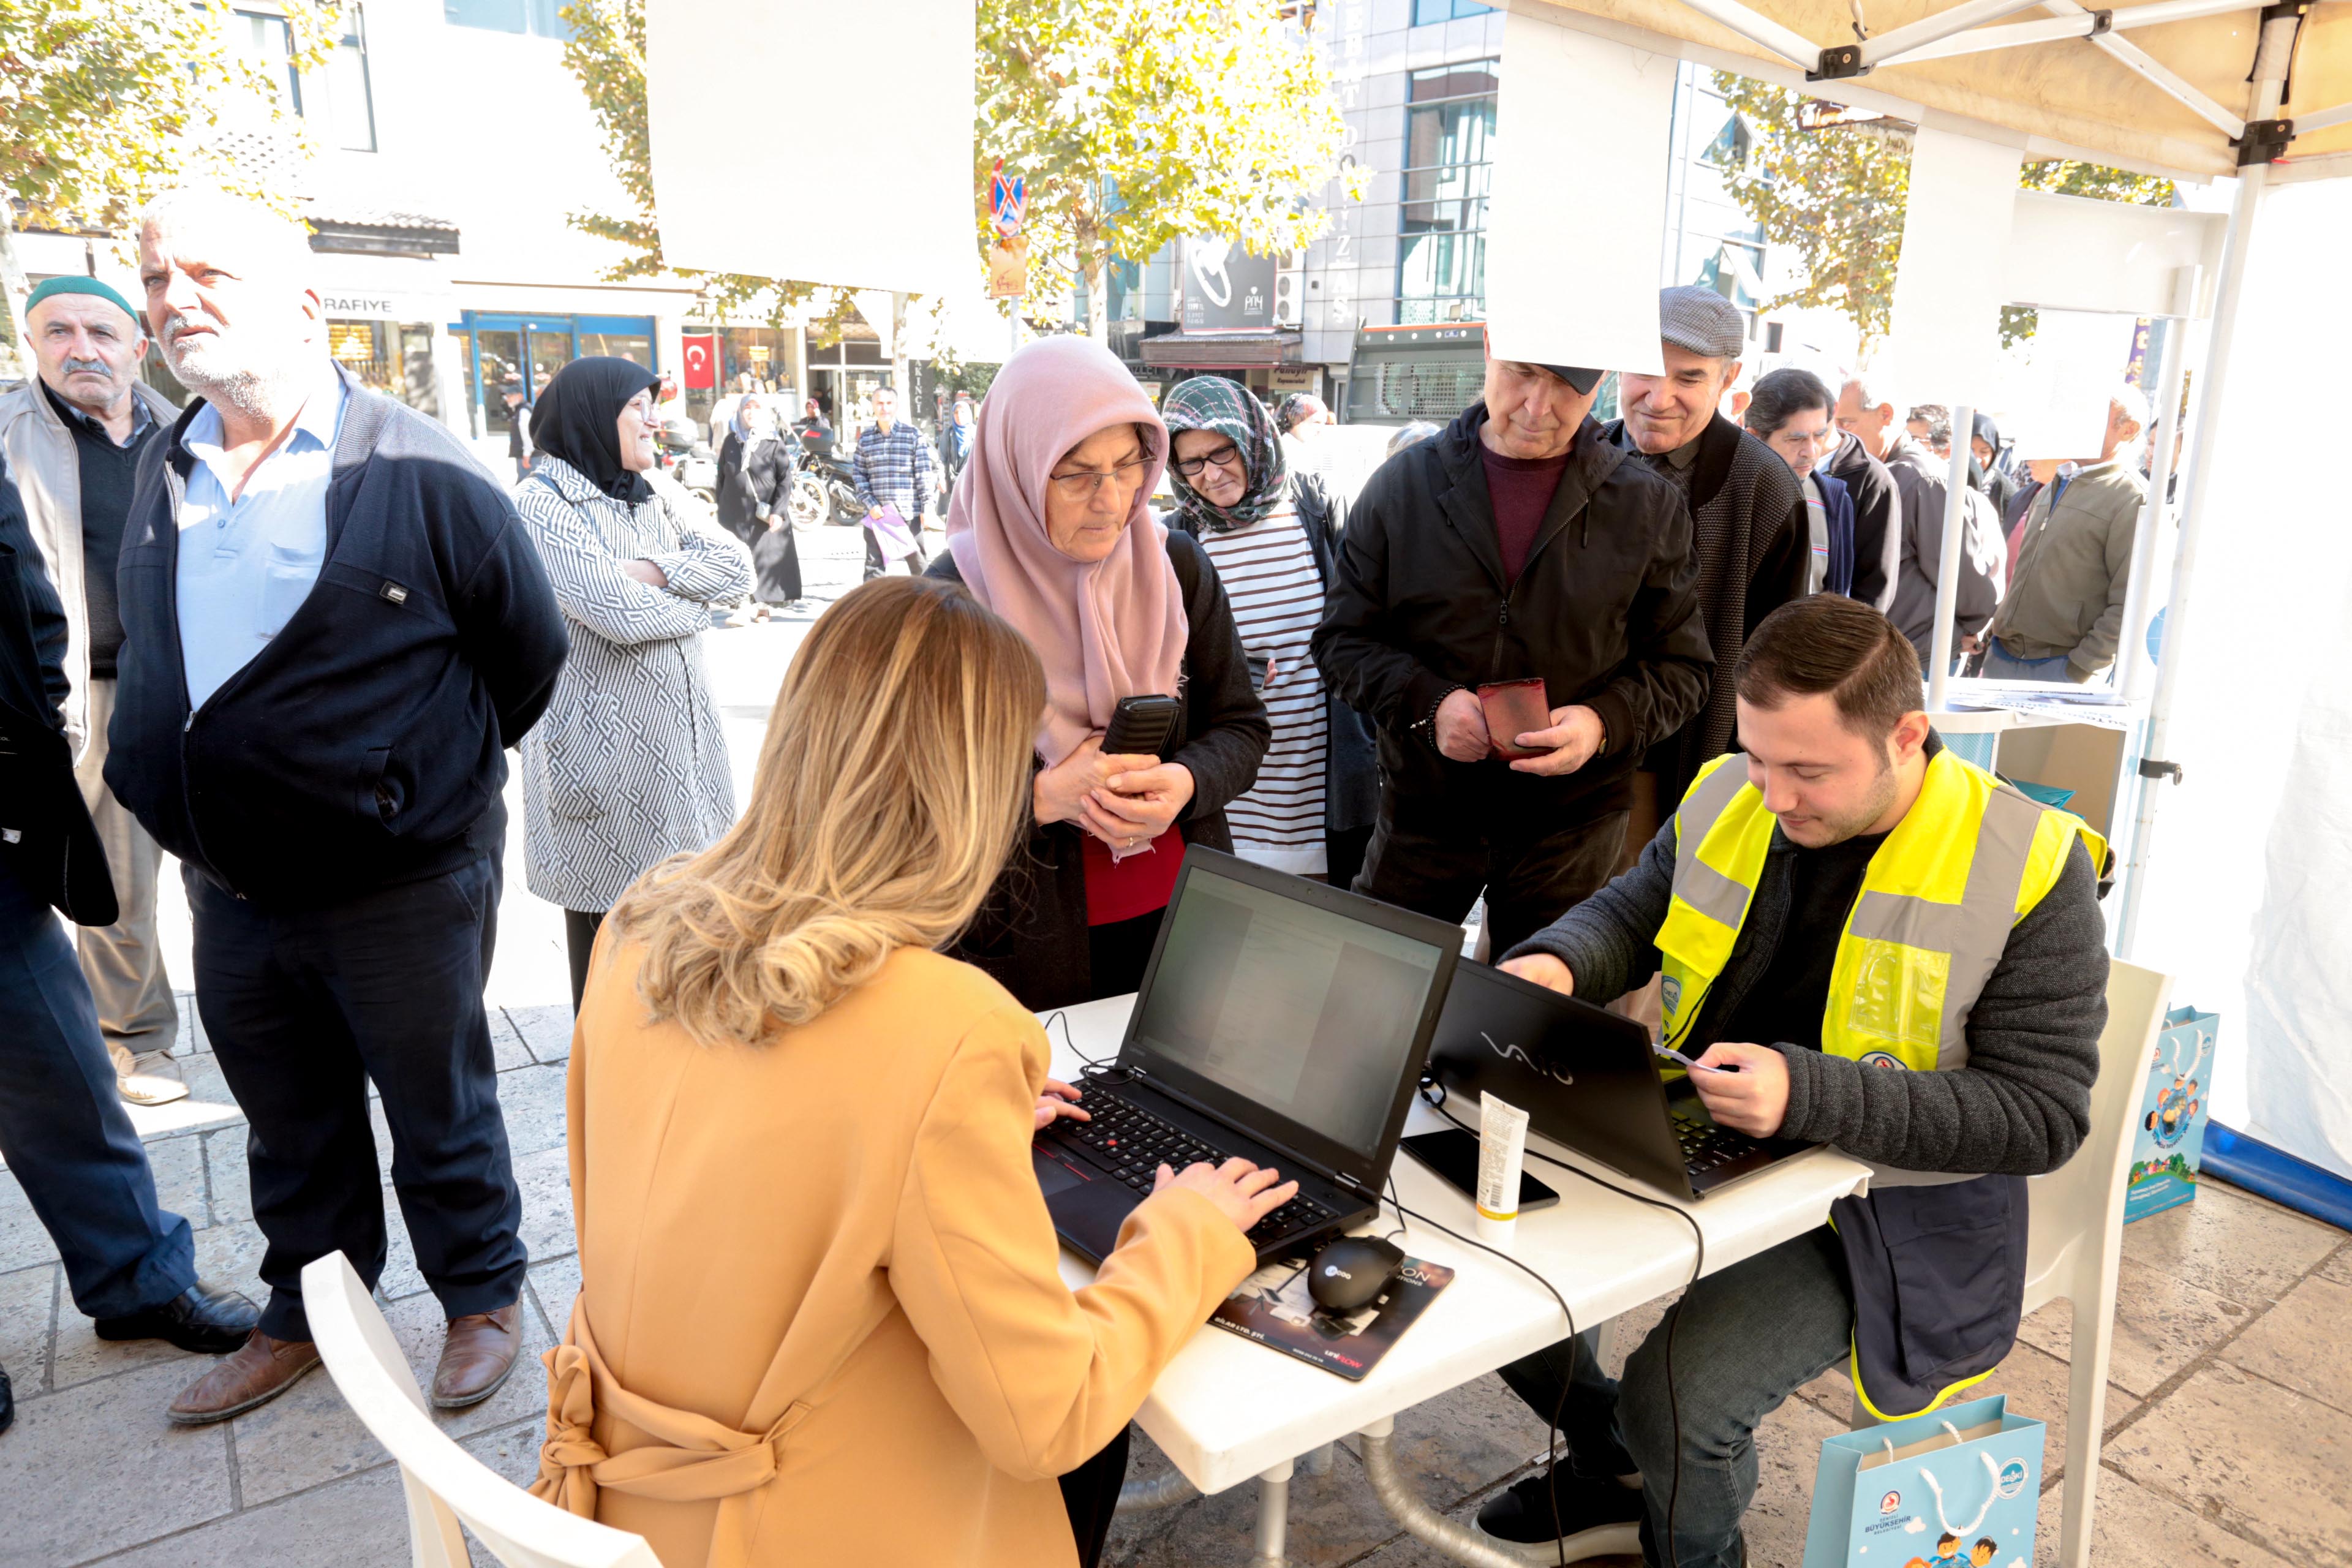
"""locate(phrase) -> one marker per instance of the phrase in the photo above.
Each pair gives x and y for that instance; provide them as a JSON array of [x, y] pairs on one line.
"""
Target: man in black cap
[[1515, 545]]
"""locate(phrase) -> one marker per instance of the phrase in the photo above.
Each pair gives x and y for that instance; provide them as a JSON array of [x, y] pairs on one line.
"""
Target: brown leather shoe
[[256, 1373], [478, 1354]]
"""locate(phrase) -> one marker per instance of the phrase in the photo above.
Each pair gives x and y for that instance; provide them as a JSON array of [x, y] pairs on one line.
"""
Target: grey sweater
[[2019, 1108]]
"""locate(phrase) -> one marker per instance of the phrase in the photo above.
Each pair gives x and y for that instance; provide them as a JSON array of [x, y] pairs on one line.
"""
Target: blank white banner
[[899, 215], [1577, 218], [1948, 287]]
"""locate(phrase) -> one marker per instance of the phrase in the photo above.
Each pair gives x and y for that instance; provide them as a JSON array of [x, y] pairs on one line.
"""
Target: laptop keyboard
[[1135, 1143], [1705, 1145]]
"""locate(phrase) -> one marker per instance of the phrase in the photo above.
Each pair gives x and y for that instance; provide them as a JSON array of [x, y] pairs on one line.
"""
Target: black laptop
[[1280, 1020], [1588, 1078]]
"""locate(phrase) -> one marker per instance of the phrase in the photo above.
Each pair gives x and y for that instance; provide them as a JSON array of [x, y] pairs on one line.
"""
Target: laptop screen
[[1306, 1011]]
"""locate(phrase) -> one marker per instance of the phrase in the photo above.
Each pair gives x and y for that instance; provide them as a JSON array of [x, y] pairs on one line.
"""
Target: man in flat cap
[[1520, 565], [73, 436], [1748, 517]]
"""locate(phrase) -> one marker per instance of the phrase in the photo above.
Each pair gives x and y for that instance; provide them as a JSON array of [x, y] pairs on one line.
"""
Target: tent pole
[[1759, 30], [1893, 45], [2078, 26], [2270, 58], [1947, 570], [2137, 673]]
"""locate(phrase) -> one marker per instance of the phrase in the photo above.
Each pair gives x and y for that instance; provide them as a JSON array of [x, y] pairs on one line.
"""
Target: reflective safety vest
[[1969, 861], [1937, 1272]]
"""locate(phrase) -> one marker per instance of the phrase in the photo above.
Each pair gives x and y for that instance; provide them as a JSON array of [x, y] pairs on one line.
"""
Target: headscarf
[[1112, 629], [1227, 407], [577, 420]]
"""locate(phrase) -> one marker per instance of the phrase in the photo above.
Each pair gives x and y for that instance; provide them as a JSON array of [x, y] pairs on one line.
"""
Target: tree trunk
[[1098, 294], [16, 286]]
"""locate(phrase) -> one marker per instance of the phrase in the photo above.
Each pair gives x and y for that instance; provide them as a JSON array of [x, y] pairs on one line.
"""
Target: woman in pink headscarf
[[1050, 528]]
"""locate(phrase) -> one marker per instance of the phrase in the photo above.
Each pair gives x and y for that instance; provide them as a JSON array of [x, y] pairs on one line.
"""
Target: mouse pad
[[1274, 1308]]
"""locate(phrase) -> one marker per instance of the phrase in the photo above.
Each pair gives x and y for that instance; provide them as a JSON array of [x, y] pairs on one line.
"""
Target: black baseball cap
[[1576, 376]]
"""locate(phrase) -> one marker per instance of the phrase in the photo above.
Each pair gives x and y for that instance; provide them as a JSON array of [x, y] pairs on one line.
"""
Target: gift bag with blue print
[[1956, 1488]]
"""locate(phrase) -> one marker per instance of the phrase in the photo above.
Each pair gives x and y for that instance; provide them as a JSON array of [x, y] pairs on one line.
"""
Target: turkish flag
[[701, 362]]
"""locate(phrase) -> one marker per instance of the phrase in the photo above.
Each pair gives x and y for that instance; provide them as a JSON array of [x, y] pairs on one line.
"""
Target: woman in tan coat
[[820, 1318]]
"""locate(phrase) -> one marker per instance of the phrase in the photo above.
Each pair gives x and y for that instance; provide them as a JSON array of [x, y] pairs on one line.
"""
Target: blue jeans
[[1750, 1335], [63, 1129], [2000, 664]]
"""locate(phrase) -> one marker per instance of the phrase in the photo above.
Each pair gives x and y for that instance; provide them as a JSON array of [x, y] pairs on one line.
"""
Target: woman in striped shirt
[[1272, 535]]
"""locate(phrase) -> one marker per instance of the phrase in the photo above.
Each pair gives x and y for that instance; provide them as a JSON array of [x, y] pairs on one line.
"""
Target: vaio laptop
[[1588, 1078], [1280, 1020]]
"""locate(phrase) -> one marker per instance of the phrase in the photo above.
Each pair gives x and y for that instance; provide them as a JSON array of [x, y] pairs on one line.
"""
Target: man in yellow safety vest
[[1871, 943]]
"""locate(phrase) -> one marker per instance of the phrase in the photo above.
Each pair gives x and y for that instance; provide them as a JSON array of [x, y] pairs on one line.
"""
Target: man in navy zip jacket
[[333, 627]]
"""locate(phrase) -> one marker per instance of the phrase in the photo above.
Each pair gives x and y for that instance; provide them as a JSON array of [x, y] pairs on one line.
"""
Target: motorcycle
[[686, 458], [824, 490]]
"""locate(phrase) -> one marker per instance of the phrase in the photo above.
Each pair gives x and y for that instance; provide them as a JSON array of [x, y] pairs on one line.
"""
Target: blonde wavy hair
[[892, 784]]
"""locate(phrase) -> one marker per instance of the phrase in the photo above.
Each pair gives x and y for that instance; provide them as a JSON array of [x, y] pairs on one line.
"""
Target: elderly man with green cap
[[72, 438]]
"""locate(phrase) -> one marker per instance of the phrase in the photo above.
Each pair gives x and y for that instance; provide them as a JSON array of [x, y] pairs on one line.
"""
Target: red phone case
[[1513, 707]]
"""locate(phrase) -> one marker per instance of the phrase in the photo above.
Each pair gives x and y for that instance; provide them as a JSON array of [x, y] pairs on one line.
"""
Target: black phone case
[[1139, 730]]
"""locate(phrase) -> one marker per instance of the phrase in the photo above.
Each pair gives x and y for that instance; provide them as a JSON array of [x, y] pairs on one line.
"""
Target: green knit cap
[[69, 285]]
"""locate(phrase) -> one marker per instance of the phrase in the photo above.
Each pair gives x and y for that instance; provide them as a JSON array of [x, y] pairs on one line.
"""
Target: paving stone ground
[[2228, 1435]]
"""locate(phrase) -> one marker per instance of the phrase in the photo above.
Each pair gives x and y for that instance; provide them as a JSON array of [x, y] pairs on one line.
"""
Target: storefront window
[[395, 360], [758, 351], [636, 347]]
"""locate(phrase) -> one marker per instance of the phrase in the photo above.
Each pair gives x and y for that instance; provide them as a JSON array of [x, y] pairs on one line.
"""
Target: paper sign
[[1575, 224], [1948, 286], [1008, 268], [2054, 397], [905, 222]]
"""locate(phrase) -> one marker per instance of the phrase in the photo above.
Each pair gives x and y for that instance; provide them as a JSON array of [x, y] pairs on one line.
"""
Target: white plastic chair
[[443, 1483], [2076, 1237]]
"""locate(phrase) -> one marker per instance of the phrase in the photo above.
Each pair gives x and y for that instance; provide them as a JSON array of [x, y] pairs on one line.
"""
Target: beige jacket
[[41, 460], [820, 1318], [2074, 568]]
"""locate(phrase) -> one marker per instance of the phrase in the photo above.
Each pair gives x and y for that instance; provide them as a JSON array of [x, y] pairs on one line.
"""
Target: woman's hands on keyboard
[[1245, 1193], [1058, 1099]]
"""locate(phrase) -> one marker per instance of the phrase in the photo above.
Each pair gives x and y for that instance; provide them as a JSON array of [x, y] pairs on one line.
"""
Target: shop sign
[[383, 305], [1225, 289], [1292, 378]]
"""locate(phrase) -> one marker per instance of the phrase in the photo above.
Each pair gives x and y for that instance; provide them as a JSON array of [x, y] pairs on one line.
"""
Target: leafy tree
[[107, 102], [1834, 186], [1136, 122]]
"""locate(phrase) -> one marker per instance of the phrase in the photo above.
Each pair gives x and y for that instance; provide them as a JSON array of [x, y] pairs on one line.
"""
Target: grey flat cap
[[1701, 320]]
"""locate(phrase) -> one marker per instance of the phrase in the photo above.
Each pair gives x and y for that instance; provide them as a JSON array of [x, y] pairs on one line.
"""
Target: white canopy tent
[[2199, 90]]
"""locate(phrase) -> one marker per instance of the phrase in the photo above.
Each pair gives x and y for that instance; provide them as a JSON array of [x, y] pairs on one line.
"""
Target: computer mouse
[[1350, 1273]]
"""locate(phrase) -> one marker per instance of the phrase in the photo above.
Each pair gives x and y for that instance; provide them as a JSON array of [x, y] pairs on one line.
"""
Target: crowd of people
[[289, 633]]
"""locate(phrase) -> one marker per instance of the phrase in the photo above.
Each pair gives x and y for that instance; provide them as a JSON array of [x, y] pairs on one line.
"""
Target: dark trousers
[[1528, 882], [1090, 1493], [63, 1129], [1751, 1335], [305, 1008], [580, 929]]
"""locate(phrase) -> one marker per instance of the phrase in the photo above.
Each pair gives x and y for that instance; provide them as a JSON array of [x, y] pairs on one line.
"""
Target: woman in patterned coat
[[629, 766]]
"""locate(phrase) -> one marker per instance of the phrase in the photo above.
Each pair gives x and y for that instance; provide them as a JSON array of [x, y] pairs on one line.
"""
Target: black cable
[[1673, 1403], [1559, 1407], [1099, 1069]]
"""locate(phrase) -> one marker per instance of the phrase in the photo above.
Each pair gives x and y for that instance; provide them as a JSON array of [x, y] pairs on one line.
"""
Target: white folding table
[[1227, 1409]]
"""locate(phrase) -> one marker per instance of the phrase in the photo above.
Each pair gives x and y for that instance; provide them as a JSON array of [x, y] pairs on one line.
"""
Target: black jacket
[[1606, 610], [46, 836], [363, 745], [1352, 782], [749, 492], [1877, 522], [1031, 934]]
